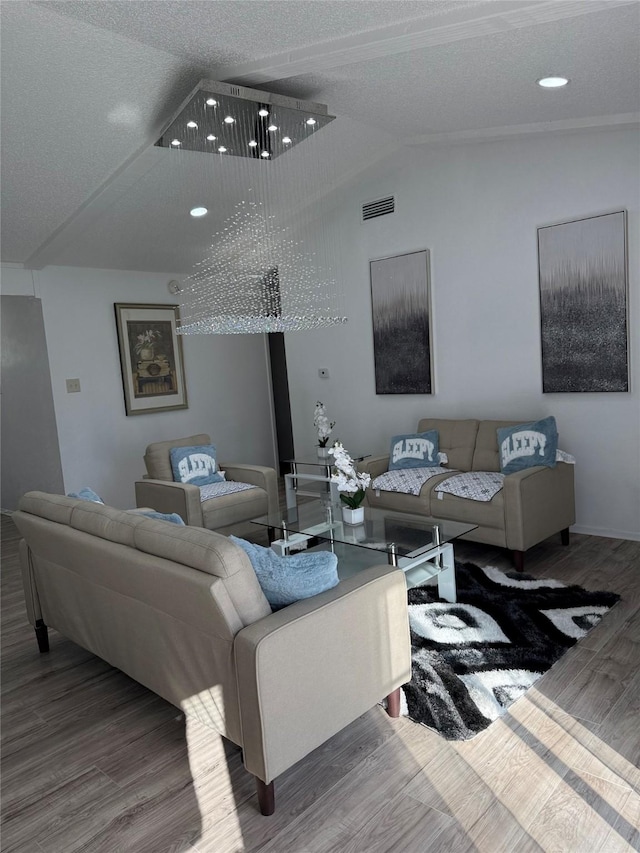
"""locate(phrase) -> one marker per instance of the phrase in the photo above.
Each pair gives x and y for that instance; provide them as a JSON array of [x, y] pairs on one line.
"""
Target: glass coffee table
[[422, 547]]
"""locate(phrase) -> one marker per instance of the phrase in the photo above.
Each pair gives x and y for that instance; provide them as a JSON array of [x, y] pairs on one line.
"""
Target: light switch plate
[[73, 386]]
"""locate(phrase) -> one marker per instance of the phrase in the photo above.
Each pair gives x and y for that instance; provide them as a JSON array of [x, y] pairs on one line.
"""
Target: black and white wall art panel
[[400, 299], [583, 304]]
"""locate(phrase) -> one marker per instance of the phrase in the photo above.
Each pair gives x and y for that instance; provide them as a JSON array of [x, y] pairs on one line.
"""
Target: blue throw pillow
[[195, 465], [285, 580], [527, 445], [173, 517], [415, 450], [86, 494]]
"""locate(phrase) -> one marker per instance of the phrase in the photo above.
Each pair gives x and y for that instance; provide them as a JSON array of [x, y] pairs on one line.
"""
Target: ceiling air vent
[[379, 207]]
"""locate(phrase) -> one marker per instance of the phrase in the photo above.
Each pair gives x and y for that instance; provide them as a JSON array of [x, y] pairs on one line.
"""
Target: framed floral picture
[[150, 358]]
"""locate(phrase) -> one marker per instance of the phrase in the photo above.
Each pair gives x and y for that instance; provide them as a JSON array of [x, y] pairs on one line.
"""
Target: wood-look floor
[[92, 761]]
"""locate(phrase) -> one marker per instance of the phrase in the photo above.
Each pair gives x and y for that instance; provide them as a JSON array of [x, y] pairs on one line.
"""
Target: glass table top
[[322, 462], [381, 531]]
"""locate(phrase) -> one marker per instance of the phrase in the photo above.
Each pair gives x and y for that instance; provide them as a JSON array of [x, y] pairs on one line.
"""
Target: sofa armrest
[[310, 669], [374, 465], [538, 502], [257, 475], [167, 496]]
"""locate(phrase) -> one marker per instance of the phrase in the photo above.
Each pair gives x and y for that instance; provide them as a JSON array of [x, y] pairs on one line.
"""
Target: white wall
[[100, 447], [476, 207]]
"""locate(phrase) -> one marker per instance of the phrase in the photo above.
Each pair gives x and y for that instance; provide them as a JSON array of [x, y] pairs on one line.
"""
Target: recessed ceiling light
[[198, 211], [286, 140], [192, 124], [229, 120], [222, 149], [176, 142], [263, 113], [552, 82], [311, 121], [211, 137], [264, 154], [253, 143], [272, 127], [211, 102]]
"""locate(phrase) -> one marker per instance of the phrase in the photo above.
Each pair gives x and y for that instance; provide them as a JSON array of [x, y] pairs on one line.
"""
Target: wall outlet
[[323, 372], [73, 386]]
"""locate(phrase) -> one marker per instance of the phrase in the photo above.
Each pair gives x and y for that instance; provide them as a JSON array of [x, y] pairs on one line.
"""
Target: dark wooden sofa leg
[[393, 703], [266, 797], [564, 536], [42, 636], [518, 560]]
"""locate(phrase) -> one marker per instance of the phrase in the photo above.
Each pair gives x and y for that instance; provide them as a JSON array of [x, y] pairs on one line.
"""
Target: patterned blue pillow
[[285, 580], [195, 465], [414, 450], [527, 445], [86, 494]]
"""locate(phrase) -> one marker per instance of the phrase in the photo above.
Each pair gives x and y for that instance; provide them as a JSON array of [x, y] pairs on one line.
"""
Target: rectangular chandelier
[[241, 122], [271, 262]]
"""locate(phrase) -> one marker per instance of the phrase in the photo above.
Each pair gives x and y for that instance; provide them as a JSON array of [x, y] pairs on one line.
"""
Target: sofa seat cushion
[[221, 488], [484, 514], [232, 508], [407, 480], [472, 485]]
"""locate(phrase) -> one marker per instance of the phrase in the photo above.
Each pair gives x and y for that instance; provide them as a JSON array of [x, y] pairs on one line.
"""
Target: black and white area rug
[[472, 659]]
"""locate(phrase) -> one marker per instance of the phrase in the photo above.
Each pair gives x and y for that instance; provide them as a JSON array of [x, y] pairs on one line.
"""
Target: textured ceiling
[[87, 85]]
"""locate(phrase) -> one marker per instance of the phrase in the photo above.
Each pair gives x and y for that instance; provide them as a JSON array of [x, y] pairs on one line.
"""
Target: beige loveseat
[[159, 490], [533, 504], [180, 610]]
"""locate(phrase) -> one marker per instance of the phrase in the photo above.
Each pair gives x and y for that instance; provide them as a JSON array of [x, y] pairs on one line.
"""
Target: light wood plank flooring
[[92, 761]]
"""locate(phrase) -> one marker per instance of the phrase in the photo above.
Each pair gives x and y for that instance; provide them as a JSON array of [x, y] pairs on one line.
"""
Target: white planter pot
[[323, 452], [353, 516]]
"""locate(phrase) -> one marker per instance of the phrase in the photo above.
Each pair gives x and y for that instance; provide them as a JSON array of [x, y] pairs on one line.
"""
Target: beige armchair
[[158, 490]]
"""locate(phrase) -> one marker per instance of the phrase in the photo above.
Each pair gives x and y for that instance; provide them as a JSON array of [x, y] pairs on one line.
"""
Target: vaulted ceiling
[[88, 84]]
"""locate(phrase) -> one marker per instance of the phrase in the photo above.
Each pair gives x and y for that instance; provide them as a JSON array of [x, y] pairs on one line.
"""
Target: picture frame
[[151, 359], [401, 317], [584, 313]]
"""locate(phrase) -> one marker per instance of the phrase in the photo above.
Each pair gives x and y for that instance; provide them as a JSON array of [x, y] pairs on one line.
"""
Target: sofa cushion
[[285, 580], [484, 514], [456, 438], [408, 480], [231, 509], [53, 507], [106, 522], [223, 487], [472, 485], [209, 552], [414, 450], [528, 445], [157, 458], [195, 464]]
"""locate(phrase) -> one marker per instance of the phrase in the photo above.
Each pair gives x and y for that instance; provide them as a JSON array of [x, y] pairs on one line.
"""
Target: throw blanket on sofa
[[228, 487], [407, 480], [475, 485]]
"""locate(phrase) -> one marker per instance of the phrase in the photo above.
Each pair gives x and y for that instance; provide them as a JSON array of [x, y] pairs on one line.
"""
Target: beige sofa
[[534, 504], [159, 490], [180, 610]]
